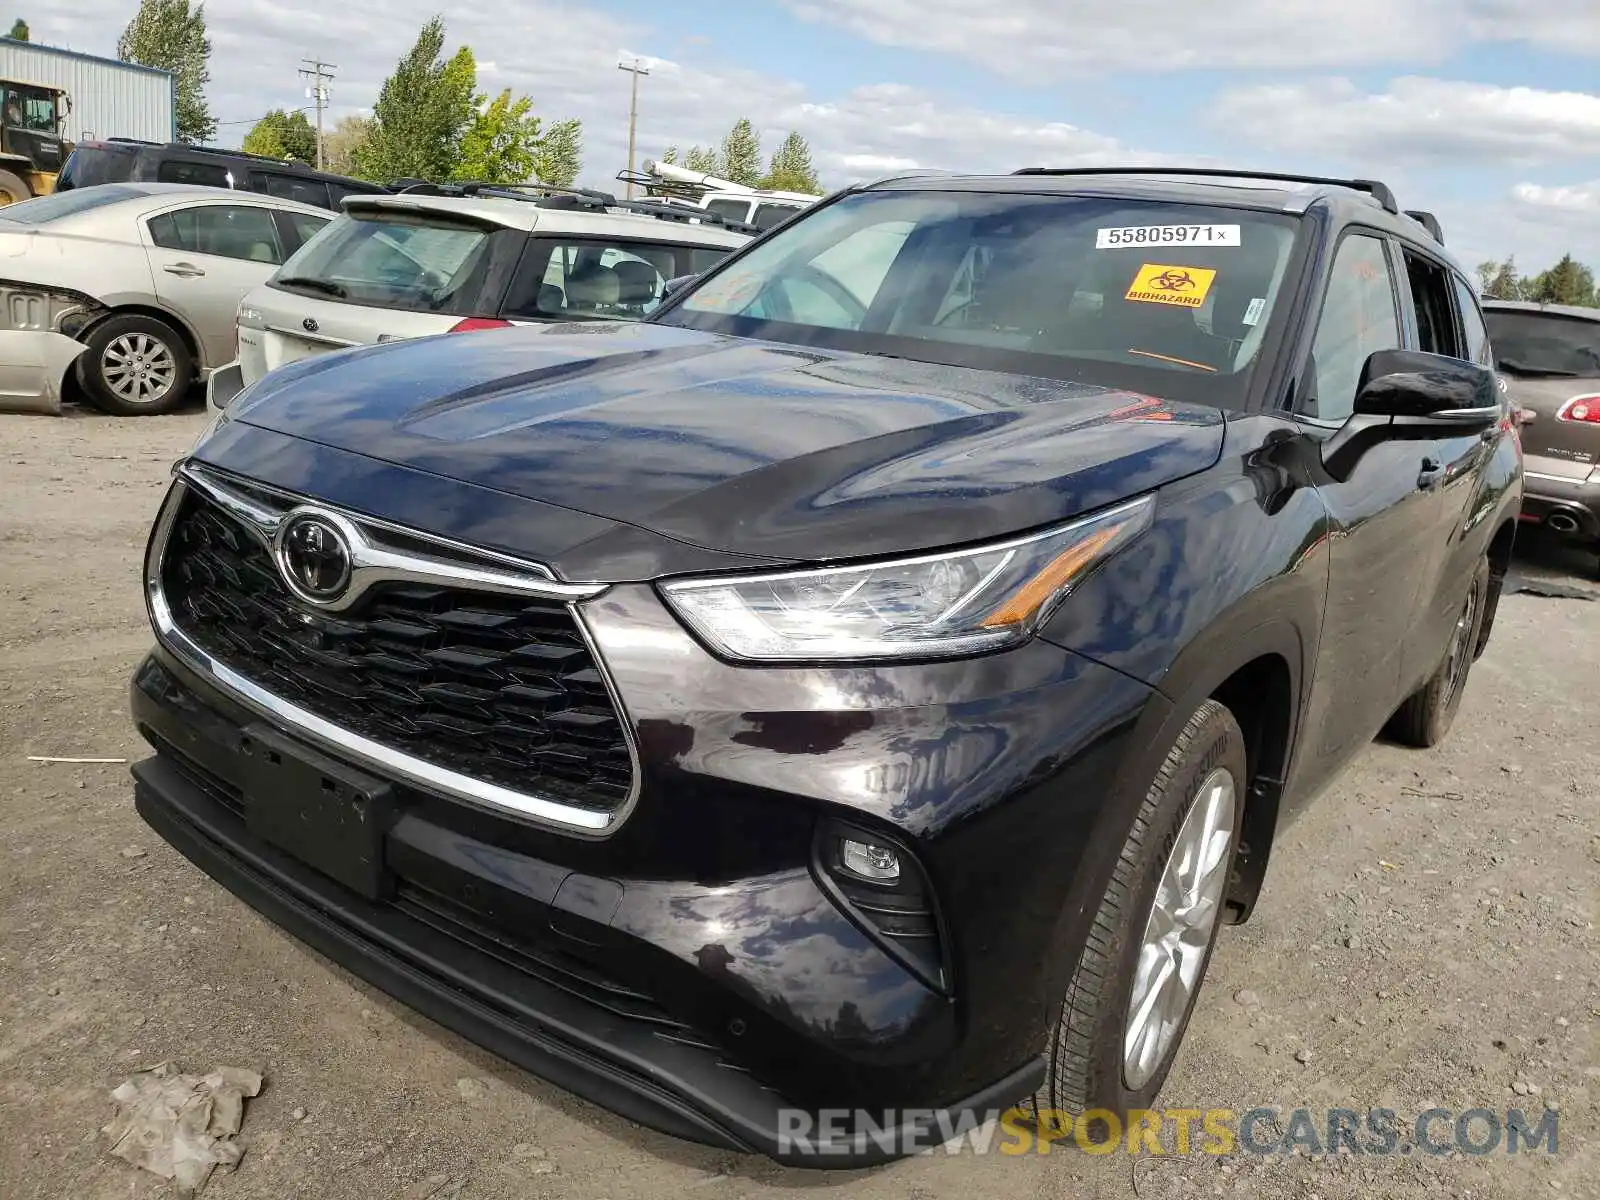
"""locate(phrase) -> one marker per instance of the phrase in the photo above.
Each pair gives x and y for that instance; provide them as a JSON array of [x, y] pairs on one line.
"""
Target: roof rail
[[553, 196], [1377, 190], [1429, 222]]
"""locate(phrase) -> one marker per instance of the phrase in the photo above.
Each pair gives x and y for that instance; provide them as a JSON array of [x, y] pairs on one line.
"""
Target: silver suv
[[436, 260]]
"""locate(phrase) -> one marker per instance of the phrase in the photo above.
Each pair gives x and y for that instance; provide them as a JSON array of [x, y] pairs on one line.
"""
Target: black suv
[[124, 160], [847, 703]]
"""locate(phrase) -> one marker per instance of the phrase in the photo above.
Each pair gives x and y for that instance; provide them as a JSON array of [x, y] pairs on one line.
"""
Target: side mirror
[[1409, 393], [676, 284], [1416, 388]]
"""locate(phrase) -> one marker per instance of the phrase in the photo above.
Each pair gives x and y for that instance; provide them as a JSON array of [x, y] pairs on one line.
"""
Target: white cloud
[[1583, 198], [1052, 37], [1416, 120], [565, 56]]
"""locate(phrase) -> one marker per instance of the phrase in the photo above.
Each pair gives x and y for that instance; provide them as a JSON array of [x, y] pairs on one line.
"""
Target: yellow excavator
[[32, 149]]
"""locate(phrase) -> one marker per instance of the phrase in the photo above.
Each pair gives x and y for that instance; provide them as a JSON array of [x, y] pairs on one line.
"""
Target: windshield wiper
[[316, 285], [1518, 368]]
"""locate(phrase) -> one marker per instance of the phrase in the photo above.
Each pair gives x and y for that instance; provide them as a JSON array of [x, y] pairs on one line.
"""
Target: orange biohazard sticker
[[1158, 283]]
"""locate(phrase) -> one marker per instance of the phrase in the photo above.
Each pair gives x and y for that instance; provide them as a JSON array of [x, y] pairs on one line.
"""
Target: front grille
[[495, 687]]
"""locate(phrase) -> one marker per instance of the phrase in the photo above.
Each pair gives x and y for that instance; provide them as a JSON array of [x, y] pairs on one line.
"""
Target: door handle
[[1430, 475], [183, 270]]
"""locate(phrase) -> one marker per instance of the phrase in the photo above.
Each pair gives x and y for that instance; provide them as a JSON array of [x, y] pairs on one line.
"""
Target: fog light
[[870, 861]]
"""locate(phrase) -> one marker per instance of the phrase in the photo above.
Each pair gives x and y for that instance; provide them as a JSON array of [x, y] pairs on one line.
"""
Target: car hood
[[737, 445]]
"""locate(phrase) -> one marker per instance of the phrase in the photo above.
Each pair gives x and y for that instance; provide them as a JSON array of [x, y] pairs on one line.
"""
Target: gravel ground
[[1426, 938]]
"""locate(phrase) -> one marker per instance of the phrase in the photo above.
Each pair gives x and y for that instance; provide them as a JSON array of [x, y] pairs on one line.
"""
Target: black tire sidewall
[[15, 186], [1217, 742], [91, 360]]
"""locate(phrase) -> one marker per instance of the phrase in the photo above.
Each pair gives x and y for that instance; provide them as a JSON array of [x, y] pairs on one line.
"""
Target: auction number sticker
[[1166, 235]]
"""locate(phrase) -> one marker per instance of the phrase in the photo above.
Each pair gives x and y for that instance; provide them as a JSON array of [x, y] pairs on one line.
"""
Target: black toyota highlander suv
[[848, 703]]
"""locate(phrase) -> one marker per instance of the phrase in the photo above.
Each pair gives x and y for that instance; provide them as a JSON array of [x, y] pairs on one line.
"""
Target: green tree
[[702, 160], [1499, 280], [1568, 282], [791, 169], [423, 110], [170, 35], [340, 144], [670, 156], [19, 30], [741, 154], [499, 145], [559, 155], [281, 134]]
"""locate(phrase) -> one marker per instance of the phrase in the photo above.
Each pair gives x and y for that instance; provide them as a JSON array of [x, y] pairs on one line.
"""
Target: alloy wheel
[[139, 368], [1177, 933]]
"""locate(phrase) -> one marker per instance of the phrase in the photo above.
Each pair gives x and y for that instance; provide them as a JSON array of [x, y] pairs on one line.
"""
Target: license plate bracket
[[331, 817]]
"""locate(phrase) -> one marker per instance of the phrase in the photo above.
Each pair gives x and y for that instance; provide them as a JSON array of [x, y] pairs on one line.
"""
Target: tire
[[1426, 716], [127, 354], [1088, 1065], [13, 189]]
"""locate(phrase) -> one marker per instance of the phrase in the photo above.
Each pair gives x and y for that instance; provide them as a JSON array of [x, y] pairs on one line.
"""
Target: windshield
[[43, 209], [393, 260], [1122, 292], [1533, 343]]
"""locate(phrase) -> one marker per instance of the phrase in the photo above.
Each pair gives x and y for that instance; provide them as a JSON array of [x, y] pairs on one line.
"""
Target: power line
[[636, 68], [320, 74]]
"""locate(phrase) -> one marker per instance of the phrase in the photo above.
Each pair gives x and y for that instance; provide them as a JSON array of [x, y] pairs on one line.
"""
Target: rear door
[[1449, 475], [1548, 360], [205, 256]]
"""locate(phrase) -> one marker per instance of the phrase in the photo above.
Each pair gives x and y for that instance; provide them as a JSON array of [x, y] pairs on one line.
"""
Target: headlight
[[931, 606]]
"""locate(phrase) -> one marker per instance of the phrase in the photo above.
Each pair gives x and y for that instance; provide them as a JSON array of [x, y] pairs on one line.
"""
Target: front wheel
[[13, 189], [1427, 714], [1135, 985], [135, 366]]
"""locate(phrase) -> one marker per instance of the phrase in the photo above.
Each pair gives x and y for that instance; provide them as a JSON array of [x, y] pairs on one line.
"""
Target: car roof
[[522, 214], [1533, 306], [122, 145], [1367, 201], [156, 194]]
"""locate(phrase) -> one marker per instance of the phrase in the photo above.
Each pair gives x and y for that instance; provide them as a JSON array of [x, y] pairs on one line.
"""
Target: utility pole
[[320, 74], [636, 69]]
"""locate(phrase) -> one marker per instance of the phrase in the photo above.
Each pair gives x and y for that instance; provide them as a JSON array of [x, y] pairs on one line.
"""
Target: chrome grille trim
[[363, 751]]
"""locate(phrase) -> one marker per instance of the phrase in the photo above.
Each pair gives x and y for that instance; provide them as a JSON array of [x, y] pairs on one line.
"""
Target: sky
[[1486, 112]]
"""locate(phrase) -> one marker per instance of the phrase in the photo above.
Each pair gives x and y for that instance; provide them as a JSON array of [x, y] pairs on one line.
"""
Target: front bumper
[[671, 1085], [1568, 507], [33, 369]]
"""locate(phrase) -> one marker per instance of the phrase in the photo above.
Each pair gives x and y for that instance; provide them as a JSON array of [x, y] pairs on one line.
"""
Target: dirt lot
[[1427, 938]]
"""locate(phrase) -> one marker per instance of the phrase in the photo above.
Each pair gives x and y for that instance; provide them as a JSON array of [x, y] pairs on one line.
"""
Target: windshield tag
[[1252, 315], [1125, 236]]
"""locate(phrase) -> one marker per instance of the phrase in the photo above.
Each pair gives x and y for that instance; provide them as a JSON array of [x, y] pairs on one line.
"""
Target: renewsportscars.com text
[[1379, 1132]]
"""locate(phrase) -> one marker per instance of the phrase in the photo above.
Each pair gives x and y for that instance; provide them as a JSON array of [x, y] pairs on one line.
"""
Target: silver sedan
[[134, 286]]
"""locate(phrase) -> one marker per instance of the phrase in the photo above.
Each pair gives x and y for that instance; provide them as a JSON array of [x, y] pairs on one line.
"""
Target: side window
[[768, 215], [289, 187], [203, 174], [1358, 317], [305, 226], [223, 230], [1430, 295], [1477, 335], [737, 210], [590, 280]]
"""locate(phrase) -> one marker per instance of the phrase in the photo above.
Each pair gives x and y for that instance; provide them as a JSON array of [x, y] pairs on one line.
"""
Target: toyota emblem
[[314, 558], [310, 325]]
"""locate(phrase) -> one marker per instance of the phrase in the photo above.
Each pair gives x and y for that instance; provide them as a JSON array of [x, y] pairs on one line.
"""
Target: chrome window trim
[[1577, 479], [361, 750]]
